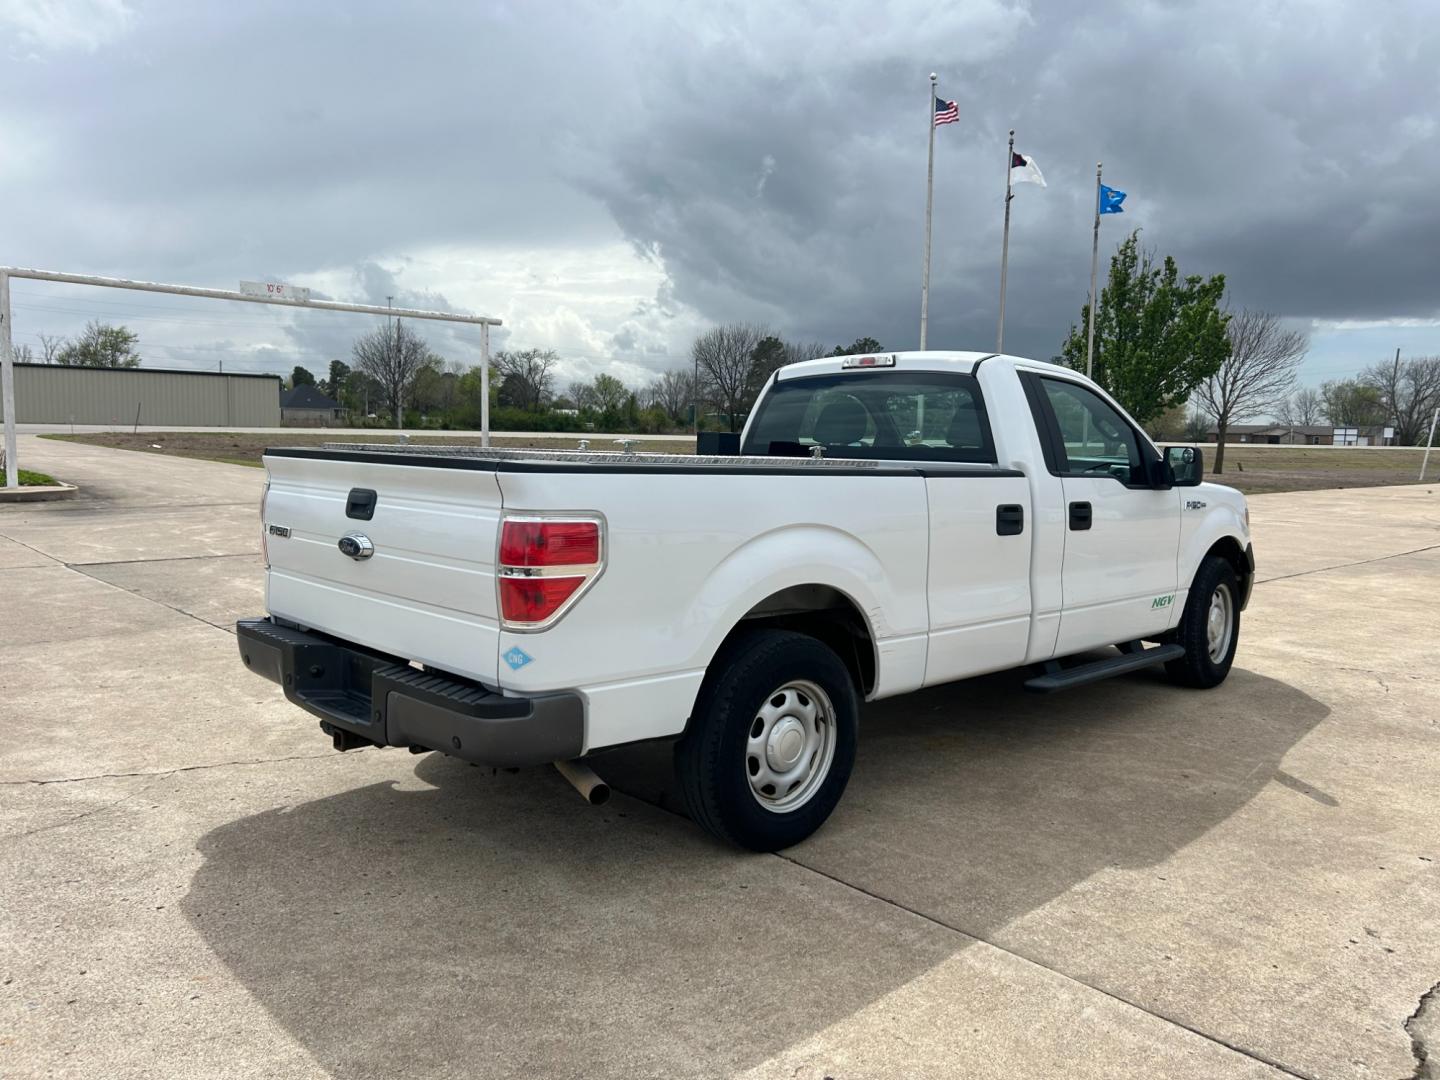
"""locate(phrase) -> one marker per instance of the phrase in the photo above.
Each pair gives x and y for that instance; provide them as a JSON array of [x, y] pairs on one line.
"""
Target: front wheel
[[770, 747], [1209, 626]]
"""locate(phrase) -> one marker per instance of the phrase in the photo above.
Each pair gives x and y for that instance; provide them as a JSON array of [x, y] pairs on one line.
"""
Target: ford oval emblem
[[356, 545]]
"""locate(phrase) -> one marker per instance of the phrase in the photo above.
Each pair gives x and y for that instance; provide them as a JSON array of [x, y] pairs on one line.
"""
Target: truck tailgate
[[426, 593]]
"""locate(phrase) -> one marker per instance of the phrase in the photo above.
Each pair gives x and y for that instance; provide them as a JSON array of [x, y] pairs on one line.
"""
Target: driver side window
[[1095, 439]]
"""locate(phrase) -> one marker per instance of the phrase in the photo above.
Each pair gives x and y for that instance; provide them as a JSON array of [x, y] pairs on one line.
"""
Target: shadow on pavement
[[495, 925]]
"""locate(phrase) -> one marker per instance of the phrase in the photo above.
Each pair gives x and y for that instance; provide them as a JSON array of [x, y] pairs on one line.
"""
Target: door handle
[[1009, 519], [1080, 516]]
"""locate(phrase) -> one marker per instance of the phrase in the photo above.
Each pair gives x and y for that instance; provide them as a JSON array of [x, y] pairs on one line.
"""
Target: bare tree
[[526, 377], [50, 346], [1351, 403], [1257, 376], [1410, 391], [391, 355], [723, 357], [22, 354], [1303, 408], [674, 393], [795, 351], [582, 394]]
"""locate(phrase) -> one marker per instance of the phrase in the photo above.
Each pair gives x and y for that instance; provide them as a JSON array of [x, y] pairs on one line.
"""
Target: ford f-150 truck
[[889, 522]]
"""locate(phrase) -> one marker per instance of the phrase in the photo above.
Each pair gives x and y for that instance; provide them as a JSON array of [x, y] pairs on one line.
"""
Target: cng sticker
[[517, 658], [1162, 601]]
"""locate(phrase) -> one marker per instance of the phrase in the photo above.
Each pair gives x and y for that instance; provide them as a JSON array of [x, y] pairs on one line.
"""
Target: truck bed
[[510, 459]]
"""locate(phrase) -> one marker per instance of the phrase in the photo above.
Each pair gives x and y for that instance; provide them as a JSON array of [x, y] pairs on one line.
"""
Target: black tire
[[712, 762], [1197, 668]]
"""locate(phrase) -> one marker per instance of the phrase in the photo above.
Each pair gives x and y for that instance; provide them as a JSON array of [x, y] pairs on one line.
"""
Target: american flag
[[946, 112]]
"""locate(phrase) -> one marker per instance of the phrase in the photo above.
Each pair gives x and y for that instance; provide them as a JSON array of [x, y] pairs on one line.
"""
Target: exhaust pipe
[[591, 788]]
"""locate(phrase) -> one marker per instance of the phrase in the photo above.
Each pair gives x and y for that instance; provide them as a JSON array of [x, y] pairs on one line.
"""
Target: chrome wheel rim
[[1219, 623], [790, 745]]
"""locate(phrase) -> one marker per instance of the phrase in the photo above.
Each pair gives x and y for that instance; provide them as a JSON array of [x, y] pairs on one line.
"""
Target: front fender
[[1222, 516]]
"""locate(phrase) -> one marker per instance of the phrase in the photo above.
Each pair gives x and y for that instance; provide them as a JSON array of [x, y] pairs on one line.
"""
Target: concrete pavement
[[1128, 880]]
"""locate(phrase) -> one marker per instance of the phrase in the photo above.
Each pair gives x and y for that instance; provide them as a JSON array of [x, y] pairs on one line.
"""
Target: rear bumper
[[367, 697]]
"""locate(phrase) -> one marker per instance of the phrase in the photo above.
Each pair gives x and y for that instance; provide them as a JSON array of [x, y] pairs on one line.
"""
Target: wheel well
[[824, 613], [1229, 549]]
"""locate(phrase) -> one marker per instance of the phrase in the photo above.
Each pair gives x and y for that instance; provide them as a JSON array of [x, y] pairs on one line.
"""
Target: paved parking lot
[[1128, 880]]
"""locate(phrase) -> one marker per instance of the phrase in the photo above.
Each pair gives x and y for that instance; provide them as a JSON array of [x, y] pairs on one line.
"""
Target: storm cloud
[[609, 178]]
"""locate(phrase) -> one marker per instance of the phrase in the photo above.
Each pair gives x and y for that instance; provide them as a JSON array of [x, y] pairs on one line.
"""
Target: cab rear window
[[888, 415]]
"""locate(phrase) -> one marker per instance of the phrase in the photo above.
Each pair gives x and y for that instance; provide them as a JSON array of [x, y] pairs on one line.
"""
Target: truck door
[[1118, 581], [980, 535]]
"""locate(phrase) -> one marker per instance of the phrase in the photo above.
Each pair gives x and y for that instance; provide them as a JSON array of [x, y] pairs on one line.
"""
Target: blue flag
[[1110, 200]]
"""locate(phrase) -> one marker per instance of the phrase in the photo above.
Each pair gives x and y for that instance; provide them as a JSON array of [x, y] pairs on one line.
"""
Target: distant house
[[305, 406], [1304, 435], [1290, 434]]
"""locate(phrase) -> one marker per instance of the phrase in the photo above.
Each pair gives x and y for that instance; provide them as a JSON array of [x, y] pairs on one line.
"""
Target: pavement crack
[[160, 773], [1344, 566], [1418, 1026], [1111, 994]]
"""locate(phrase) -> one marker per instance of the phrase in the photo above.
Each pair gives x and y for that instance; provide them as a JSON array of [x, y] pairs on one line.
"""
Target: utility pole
[[399, 390]]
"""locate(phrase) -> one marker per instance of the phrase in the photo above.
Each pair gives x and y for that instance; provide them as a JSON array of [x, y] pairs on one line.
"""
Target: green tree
[[301, 377], [101, 346], [609, 395], [768, 355], [858, 347], [334, 384], [1157, 336]]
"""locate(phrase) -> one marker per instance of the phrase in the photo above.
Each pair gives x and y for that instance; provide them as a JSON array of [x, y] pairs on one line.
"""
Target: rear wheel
[[769, 750], [1209, 626]]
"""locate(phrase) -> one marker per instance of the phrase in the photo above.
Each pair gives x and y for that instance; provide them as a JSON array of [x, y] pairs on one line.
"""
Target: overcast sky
[[610, 178]]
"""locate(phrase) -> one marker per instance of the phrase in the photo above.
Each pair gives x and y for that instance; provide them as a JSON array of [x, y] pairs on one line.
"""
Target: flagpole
[[1005, 244], [929, 205], [1094, 265]]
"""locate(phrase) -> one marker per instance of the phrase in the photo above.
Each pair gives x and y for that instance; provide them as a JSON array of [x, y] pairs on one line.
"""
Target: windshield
[[892, 415]]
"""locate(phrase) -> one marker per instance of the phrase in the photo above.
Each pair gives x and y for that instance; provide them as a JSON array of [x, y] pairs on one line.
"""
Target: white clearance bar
[[867, 361], [252, 292], [277, 290]]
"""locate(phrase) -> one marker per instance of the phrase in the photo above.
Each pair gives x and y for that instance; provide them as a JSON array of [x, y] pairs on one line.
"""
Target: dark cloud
[[767, 159]]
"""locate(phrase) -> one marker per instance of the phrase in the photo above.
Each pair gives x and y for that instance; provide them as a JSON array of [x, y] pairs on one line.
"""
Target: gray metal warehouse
[[54, 394]]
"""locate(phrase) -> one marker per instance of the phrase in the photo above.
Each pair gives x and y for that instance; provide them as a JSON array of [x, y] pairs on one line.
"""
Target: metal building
[[54, 394]]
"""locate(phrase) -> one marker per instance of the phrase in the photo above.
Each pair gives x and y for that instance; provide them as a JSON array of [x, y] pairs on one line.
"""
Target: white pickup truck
[[889, 522]]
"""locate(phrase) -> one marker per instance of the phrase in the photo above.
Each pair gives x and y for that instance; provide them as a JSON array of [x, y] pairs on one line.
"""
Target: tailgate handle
[[360, 504]]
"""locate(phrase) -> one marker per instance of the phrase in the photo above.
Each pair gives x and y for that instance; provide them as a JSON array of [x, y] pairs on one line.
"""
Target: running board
[[1132, 659]]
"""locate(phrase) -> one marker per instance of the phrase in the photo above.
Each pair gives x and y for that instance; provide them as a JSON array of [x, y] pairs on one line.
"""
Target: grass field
[[1249, 468], [245, 448]]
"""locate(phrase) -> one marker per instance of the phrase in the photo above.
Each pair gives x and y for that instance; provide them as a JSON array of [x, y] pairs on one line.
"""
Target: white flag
[[1023, 170]]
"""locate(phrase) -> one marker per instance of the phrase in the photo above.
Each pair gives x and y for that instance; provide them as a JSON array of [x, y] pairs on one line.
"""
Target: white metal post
[[929, 204], [484, 384], [7, 383], [1430, 439]]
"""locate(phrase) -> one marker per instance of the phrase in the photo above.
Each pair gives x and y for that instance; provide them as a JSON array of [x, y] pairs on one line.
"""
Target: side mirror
[[1186, 465]]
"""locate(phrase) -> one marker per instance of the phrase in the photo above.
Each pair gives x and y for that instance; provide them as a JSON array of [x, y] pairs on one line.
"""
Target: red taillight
[[535, 599], [550, 543], [543, 564]]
